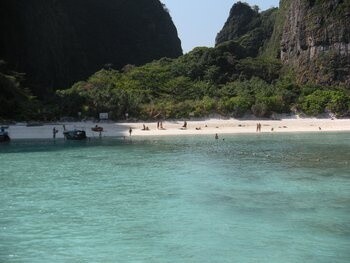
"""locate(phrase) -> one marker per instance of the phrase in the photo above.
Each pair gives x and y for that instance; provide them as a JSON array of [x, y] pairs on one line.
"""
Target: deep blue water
[[248, 198]]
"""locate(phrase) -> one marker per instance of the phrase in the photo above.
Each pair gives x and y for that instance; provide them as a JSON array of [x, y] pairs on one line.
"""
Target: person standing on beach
[[258, 127], [130, 131], [54, 131]]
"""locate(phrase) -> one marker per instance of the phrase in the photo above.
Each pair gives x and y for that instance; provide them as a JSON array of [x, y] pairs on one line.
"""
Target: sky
[[198, 21]]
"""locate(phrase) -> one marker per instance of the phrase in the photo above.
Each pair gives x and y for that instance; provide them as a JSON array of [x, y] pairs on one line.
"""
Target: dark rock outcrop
[[58, 42]]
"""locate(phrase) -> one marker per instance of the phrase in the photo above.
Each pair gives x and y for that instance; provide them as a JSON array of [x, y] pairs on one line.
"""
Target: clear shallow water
[[248, 198]]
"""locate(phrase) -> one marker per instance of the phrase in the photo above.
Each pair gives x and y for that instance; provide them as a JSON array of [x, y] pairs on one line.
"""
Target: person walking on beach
[[130, 131]]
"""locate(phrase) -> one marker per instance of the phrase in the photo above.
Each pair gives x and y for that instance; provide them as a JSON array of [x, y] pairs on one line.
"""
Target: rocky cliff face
[[315, 40], [248, 27], [311, 36], [58, 42], [241, 20]]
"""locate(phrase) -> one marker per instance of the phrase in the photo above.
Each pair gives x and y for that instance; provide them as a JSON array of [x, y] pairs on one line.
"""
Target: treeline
[[200, 83], [203, 82]]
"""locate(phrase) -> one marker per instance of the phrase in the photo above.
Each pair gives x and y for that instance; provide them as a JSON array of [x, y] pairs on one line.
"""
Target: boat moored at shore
[[4, 136], [75, 135]]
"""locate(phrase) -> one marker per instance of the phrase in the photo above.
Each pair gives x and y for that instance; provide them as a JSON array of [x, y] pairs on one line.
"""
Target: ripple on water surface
[[256, 198]]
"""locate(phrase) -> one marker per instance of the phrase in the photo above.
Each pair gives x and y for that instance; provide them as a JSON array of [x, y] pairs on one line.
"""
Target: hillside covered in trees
[[200, 83], [247, 72]]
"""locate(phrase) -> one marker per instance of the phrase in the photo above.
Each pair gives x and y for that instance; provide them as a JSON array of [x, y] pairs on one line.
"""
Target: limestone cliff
[[248, 27], [241, 20], [315, 40], [310, 36], [58, 42]]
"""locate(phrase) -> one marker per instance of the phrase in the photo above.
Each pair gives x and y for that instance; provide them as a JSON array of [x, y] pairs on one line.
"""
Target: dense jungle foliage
[[203, 82]]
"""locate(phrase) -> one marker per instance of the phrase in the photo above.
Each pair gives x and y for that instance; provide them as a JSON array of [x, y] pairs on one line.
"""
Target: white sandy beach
[[209, 126]]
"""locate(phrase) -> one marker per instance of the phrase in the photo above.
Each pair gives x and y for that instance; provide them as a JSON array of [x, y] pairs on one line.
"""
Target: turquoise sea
[[247, 198]]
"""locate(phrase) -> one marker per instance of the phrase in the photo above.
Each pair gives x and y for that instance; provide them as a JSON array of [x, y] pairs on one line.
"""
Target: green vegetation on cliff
[[248, 27], [16, 101]]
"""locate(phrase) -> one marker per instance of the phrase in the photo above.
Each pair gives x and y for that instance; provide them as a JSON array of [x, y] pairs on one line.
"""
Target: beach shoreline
[[174, 128]]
